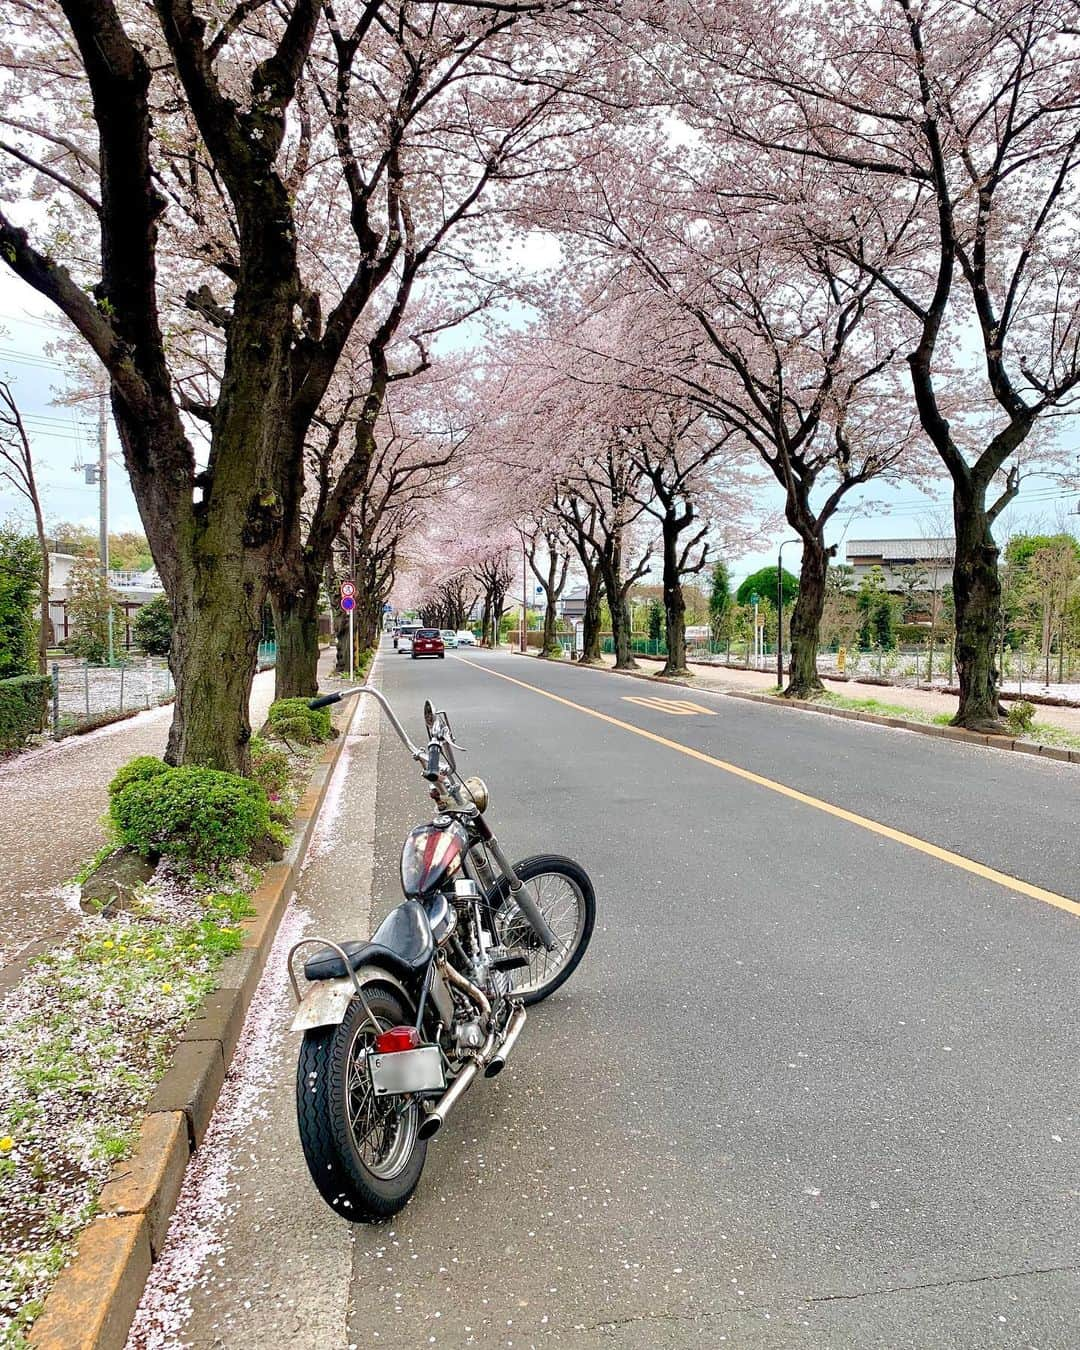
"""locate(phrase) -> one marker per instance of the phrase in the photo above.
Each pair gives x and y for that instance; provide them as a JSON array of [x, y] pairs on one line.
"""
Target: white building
[[934, 556], [131, 589]]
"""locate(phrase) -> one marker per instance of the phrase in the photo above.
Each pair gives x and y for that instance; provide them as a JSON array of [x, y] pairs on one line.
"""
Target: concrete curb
[[95, 1298], [852, 714]]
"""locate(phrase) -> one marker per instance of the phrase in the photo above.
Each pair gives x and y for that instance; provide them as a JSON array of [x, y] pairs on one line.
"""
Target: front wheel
[[562, 891], [364, 1152]]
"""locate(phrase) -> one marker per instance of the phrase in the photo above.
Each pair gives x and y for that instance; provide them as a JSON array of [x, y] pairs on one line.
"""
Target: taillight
[[397, 1039]]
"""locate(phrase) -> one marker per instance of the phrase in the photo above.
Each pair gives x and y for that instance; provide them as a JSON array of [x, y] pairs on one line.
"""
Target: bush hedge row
[[204, 815], [24, 706]]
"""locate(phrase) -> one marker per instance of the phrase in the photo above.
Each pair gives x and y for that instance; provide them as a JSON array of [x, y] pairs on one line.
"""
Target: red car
[[428, 642]]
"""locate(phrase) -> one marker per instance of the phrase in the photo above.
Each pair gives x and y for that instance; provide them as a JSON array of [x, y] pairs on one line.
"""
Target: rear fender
[[326, 1001]]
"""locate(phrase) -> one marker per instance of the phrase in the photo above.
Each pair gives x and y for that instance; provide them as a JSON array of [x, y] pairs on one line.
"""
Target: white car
[[403, 640], [449, 637], [465, 638]]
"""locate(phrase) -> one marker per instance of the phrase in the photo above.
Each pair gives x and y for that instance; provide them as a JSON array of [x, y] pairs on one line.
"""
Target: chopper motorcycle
[[397, 1029]]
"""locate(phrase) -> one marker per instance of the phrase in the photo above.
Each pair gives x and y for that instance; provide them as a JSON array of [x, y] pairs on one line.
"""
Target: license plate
[[407, 1071]]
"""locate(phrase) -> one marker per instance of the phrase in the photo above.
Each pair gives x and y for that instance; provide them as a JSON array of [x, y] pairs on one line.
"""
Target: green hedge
[[293, 720], [189, 812], [24, 706]]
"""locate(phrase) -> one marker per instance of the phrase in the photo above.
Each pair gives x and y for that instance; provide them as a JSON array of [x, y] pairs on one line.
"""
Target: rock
[[113, 886], [266, 850]]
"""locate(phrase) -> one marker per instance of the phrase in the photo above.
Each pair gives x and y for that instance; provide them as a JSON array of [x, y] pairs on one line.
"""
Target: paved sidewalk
[[54, 801], [724, 678]]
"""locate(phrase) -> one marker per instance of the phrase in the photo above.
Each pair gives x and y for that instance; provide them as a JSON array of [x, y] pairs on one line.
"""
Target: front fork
[[518, 892]]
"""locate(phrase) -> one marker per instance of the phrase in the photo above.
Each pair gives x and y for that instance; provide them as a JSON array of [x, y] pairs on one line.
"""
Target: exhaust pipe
[[513, 1031], [433, 1123], [491, 1060]]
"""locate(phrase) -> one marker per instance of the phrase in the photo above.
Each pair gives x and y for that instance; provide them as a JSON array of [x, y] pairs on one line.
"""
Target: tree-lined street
[[811, 1086]]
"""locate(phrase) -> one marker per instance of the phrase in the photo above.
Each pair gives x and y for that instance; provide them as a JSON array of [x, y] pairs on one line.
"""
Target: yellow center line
[[852, 817]]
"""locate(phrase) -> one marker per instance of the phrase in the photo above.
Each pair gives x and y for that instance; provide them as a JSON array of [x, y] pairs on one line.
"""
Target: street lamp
[[780, 610]]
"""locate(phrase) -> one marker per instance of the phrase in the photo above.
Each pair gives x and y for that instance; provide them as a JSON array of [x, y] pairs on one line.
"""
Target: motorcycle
[[398, 1028]]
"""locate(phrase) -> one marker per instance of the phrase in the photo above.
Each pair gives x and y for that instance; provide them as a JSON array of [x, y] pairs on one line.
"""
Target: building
[[131, 591], [893, 556]]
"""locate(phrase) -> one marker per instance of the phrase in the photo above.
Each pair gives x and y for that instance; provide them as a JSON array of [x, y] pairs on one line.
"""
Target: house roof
[[901, 550]]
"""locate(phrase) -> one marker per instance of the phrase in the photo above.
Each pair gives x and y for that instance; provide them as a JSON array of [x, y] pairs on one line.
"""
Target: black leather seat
[[402, 943]]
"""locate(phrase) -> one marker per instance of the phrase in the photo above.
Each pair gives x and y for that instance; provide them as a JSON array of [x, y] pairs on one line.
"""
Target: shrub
[[1020, 716], [269, 765], [20, 581], [24, 705], [286, 715], [189, 812], [137, 770], [152, 628]]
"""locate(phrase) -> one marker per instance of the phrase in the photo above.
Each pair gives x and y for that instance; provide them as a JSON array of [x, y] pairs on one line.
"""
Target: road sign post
[[348, 604]]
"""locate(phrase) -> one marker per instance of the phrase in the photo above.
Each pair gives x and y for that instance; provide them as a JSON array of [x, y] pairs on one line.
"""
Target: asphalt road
[[814, 1085]]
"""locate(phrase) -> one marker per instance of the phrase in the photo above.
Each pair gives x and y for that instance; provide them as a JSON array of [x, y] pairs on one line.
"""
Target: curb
[[991, 742], [94, 1300]]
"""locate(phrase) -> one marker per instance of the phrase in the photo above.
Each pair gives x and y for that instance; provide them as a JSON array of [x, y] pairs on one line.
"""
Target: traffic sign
[[348, 602], [348, 589]]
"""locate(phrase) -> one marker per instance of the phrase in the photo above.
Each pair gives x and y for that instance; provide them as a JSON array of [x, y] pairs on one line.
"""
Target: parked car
[[465, 638], [403, 636], [428, 642], [449, 638]]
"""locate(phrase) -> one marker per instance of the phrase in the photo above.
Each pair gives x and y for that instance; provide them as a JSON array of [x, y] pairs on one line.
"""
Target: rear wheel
[[562, 891], [364, 1152]]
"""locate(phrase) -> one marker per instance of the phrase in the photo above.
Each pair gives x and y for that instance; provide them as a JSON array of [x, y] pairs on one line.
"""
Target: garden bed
[[89, 1031]]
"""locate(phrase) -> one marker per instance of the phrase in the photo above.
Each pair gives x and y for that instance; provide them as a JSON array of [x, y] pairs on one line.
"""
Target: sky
[[64, 436]]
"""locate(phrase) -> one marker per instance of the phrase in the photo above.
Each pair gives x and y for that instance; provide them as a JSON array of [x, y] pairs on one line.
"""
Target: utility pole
[[103, 507], [99, 474]]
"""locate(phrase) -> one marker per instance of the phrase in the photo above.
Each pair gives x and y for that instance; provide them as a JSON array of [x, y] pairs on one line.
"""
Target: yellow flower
[[107, 943], [6, 1144], [166, 988]]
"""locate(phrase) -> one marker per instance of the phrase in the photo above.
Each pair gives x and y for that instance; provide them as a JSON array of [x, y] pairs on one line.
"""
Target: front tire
[[564, 893], [364, 1153]]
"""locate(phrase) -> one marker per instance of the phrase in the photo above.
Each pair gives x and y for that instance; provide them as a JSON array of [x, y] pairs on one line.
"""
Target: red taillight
[[396, 1039]]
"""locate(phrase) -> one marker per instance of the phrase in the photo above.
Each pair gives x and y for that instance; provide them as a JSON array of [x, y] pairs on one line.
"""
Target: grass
[[1042, 733], [87, 1034]]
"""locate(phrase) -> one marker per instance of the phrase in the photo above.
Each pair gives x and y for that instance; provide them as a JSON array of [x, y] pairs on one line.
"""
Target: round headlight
[[477, 790]]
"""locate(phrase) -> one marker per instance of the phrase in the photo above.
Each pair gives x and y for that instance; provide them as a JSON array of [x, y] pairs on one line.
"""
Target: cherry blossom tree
[[963, 117], [285, 174]]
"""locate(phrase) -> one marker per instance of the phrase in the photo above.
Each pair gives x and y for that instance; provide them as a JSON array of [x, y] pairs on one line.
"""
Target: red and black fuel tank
[[432, 855]]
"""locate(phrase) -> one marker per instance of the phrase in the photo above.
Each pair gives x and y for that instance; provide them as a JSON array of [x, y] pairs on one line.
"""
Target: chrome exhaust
[[513, 1031], [490, 1059]]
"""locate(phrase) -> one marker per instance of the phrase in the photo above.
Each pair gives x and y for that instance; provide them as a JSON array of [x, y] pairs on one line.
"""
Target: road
[[814, 1085]]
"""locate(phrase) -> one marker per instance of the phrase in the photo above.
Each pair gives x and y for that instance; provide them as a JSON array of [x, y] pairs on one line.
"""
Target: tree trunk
[[977, 596], [674, 603], [611, 570], [803, 679], [296, 623], [590, 626], [215, 645]]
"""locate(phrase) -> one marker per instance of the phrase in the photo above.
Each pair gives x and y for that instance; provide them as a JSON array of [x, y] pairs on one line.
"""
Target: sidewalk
[[54, 800], [724, 678]]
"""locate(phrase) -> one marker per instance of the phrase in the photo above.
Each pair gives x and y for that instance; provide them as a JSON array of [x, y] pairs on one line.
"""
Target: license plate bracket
[[406, 1071]]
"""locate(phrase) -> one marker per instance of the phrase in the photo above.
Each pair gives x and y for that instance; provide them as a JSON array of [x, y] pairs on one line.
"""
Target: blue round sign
[[348, 602]]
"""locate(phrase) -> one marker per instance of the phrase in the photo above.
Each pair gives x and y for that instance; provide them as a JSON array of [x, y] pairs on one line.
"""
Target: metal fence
[[85, 694]]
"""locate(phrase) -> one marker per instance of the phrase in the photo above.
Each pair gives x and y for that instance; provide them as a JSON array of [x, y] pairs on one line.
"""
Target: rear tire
[[362, 1190], [551, 877]]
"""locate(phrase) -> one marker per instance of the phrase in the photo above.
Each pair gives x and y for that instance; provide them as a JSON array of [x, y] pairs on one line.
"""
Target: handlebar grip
[[323, 700], [432, 770]]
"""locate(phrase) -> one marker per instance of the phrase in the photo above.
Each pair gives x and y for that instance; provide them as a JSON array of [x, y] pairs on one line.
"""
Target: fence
[[85, 695]]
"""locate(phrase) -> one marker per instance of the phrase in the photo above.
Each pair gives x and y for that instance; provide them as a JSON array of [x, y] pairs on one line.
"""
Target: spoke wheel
[[364, 1152], [564, 895]]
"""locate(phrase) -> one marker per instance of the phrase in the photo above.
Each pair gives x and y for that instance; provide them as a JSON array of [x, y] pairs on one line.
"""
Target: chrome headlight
[[478, 791]]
